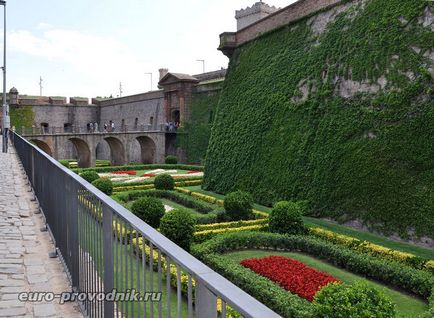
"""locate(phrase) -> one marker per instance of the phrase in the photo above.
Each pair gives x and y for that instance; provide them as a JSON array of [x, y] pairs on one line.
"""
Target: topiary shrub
[[171, 160], [238, 205], [286, 218], [64, 163], [178, 226], [164, 182], [89, 176], [104, 185], [149, 209], [356, 300]]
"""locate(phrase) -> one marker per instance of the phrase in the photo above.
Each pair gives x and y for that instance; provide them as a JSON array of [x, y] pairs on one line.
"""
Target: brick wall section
[[293, 12]]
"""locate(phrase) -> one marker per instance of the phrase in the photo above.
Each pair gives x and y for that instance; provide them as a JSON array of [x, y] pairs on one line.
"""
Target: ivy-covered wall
[[22, 116], [195, 133], [336, 109]]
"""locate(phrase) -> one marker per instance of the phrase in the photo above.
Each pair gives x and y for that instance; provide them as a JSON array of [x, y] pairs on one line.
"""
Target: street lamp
[[6, 119], [151, 79], [203, 64]]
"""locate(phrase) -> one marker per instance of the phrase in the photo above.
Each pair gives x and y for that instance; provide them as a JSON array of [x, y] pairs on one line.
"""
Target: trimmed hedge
[[238, 205], [164, 182], [171, 160], [141, 167], [211, 212], [357, 300], [178, 226], [392, 273], [286, 218], [89, 176], [105, 185], [150, 210]]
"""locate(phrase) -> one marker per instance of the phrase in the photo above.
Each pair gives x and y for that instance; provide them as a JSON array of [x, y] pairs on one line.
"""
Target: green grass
[[345, 230], [406, 305], [178, 206]]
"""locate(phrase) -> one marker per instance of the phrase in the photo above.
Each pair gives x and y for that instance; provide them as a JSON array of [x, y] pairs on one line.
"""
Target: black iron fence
[[105, 248]]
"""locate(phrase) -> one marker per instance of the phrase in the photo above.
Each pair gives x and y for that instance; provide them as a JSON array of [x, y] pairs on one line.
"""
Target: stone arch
[[117, 151], [102, 151], [83, 151], [148, 148], [43, 146]]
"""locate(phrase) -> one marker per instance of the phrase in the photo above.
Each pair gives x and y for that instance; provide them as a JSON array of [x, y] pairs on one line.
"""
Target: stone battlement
[[254, 9], [296, 11]]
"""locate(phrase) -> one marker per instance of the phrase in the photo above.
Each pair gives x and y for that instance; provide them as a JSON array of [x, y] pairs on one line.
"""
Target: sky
[[88, 47]]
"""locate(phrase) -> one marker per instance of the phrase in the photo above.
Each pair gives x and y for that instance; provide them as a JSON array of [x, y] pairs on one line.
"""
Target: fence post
[[107, 224], [206, 302]]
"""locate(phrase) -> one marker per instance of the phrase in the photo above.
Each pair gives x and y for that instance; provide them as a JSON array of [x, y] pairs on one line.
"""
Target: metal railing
[[106, 248], [37, 131]]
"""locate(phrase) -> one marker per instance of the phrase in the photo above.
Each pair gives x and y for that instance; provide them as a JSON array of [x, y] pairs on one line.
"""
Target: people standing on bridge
[[95, 126], [105, 127], [91, 127], [88, 127], [113, 126]]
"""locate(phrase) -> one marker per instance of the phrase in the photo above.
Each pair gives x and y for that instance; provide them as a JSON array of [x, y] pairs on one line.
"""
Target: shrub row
[[207, 198], [202, 236], [374, 249], [151, 181], [389, 272], [211, 213], [142, 167], [150, 185]]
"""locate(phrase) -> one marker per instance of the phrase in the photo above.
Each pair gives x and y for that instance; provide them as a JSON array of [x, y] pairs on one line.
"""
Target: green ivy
[[197, 129], [22, 116], [369, 156]]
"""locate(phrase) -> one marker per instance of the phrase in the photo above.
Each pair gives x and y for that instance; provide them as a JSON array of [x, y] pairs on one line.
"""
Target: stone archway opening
[[148, 148], [176, 116], [43, 146], [83, 151], [117, 151]]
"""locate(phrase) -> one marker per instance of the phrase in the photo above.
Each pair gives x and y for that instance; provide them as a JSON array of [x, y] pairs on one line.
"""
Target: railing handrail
[[245, 304]]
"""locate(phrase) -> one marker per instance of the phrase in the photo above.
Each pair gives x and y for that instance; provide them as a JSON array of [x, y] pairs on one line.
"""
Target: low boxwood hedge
[[389, 272], [142, 167], [210, 213]]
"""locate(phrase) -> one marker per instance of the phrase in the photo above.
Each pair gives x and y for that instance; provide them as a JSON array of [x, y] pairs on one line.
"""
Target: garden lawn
[[177, 206], [345, 230], [407, 306]]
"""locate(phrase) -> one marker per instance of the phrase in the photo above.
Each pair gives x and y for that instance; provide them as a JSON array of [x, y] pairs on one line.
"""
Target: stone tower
[[250, 15]]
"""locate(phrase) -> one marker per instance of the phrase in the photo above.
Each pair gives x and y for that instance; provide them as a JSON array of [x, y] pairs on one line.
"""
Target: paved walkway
[[24, 261]]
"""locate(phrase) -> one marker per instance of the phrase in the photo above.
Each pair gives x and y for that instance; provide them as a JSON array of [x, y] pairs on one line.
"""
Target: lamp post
[[203, 64], [151, 79], [6, 119]]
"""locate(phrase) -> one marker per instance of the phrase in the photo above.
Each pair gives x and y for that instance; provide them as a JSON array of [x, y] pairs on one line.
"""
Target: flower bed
[[292, 275], [126, 172], [150, 175]]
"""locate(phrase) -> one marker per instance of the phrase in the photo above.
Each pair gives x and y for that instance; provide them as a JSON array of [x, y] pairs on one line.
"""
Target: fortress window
[[136, 123], [67, 127], [151, 120], [44, 127]]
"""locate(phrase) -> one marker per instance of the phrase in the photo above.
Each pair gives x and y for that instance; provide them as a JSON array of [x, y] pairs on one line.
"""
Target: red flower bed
[[292, 275], [150, 175], [128, 172], [193, 171]]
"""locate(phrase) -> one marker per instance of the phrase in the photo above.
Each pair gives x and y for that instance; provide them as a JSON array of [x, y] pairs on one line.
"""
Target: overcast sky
[[87, 47]]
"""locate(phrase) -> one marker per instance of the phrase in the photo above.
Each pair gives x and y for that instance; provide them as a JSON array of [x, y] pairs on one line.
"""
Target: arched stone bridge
[[120, 147]]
